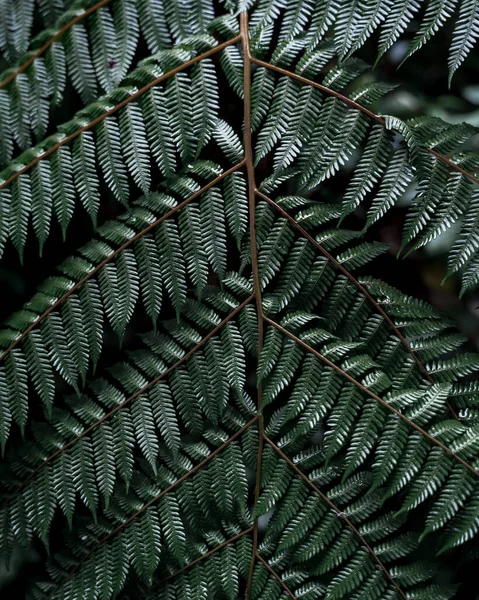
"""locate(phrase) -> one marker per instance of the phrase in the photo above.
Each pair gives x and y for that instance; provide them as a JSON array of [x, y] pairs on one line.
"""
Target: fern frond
[[289, 427], [98, 55]]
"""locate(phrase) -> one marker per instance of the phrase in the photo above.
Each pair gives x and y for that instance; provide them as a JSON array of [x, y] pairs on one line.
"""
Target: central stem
[[248, 149]]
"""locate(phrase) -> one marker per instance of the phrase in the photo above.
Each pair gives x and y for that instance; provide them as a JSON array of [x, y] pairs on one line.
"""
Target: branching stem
[[232, 540], [356, 106], [359, 286], [67, 139], [167, 491], [114, 254], [372, 395], [276, 576], [338, 512], [52, 40], [144, 389]]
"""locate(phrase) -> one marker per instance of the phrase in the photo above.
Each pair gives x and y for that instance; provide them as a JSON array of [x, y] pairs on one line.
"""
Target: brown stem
[[254, 262], [119, 106], [318, 86], [453, 165], [203, 556], [276, 576], [164, 492], [52, 40], [357, 106], [360, 287], [340, 514], [118, 251], [347, 274], [373, 395], [145, 388]]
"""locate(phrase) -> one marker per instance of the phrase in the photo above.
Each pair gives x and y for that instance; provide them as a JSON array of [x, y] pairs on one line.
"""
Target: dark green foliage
[[209, 399]]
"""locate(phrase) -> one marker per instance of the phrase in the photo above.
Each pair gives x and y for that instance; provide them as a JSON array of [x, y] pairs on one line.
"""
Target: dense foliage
[[211, 398]]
